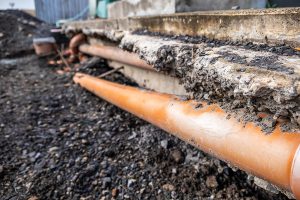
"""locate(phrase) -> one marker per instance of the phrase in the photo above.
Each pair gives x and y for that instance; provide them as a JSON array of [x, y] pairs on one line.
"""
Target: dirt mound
[[17, 30]]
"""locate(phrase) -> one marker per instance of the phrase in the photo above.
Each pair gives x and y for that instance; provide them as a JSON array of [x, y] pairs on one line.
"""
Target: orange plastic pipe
[[116, 54], [274, 157]]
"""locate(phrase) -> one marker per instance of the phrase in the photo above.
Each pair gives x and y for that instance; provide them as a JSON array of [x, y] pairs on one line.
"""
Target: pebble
[[177, 156], [62, 129], [131, 183], [33, 198], [106, 182], [1, 169], [84, 159], [211, 182], [164, 144], [52, 131], [52, 149], [235, 7], [114, 192], [168, 187], [132, 136], [174, 171]]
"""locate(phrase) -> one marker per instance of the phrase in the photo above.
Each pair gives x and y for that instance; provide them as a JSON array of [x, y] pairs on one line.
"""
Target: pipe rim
[[295, 175]]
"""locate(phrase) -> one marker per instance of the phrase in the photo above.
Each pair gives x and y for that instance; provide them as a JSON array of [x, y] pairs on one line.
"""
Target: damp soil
[[59, 141]]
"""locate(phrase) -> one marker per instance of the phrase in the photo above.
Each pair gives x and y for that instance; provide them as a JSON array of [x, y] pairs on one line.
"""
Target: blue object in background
[[102, 8], [52, 11]]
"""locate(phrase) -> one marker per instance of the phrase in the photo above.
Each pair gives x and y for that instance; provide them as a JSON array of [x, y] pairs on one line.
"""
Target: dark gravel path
[[58, 141]]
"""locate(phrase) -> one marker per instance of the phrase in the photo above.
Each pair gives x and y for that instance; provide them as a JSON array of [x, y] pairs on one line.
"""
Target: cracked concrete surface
[[236, 78]]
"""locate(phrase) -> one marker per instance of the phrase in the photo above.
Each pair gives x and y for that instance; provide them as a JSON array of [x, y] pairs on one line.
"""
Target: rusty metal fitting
[[75, 42]]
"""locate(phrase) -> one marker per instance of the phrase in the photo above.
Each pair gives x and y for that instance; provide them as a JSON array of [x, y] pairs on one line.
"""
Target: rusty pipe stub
[[75, 42], [295, 174]]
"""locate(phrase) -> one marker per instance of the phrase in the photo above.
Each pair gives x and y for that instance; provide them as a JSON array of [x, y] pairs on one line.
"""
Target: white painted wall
[[19, 4]]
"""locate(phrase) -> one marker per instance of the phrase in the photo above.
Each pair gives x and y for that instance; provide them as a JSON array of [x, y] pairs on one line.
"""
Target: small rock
[[62, 129], [105, 192], [174, 195], [206, 96], [164, 144], [106, 182], [174, 171], [177, 156], [131, 183], [84, 141], [211, 182], [269, 122], [33, 198], [32, 154], [1, 35], [84, 159], [52, 149], [32, 23], [132, 136], [1, 169], [114, 192], [52, 131], [235, 7], [168, 187], [192, 158], [142, 190]]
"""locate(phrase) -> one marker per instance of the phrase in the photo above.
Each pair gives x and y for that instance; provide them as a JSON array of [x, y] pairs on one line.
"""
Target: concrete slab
[[237, 77], [271, 26]]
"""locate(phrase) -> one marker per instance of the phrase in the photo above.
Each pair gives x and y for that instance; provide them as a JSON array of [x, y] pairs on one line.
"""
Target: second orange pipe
[[116, 54]]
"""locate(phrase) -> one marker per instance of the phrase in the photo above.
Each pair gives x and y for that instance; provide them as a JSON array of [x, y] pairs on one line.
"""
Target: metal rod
[[274, 157], [110, 72], [62, 57]]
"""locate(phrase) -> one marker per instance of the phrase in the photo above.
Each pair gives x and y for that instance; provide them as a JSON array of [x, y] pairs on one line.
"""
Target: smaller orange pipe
[[116, 54], [75, 42], [274, 157]]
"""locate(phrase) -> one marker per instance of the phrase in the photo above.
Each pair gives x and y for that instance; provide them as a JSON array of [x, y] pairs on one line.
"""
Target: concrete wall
[[127, 8]]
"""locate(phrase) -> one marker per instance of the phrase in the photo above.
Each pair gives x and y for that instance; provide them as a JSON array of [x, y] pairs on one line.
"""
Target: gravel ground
[[60, 142], [57, 141]]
